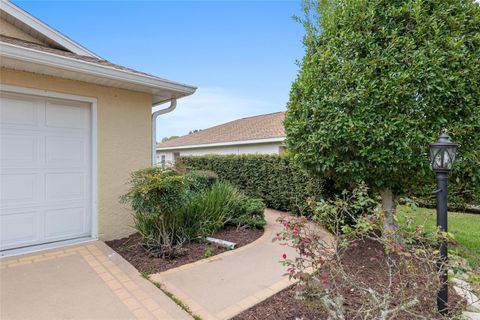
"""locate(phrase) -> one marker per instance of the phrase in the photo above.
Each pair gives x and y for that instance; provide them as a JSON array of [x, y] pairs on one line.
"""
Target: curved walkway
[[222, 286]]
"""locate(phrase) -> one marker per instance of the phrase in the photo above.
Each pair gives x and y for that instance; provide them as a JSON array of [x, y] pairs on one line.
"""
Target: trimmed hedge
[[275, 179]]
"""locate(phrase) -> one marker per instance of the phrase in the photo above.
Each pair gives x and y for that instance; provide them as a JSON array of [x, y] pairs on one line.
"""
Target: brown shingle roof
[[252, 128], [68, 54]]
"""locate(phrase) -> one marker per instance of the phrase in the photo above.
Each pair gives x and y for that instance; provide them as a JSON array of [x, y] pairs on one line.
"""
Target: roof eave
[[222, 144], [161, 89]]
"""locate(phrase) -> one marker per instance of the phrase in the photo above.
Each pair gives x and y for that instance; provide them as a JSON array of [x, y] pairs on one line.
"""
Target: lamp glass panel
[[452, 151], [442, 158], [436, 158]]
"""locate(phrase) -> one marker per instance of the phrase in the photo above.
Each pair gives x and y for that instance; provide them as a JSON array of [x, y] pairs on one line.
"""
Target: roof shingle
[[252, 128], [39, 47]]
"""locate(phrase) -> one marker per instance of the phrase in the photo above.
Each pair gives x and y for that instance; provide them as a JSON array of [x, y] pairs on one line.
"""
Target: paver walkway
[[88, 281], [224, 285]]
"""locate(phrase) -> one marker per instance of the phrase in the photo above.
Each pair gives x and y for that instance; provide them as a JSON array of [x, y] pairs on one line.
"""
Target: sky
[[240, 54]]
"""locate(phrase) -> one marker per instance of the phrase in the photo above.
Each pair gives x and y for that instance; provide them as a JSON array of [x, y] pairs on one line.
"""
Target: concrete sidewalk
[[224, 285], [88, 281]]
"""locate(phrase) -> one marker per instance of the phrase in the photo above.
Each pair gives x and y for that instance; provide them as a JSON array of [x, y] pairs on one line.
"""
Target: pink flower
[[418, 229], [295, 231], [285, 224], [337, 206], [284, 256]]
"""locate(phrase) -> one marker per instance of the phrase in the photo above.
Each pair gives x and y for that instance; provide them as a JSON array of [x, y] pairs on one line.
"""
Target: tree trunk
[[389, 207]]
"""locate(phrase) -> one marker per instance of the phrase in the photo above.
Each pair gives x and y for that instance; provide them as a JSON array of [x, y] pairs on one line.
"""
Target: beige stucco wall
[[123, 141], [8, 29]]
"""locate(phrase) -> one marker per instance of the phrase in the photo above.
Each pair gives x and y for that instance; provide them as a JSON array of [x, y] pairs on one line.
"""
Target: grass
[[178, 302], [465, 228]]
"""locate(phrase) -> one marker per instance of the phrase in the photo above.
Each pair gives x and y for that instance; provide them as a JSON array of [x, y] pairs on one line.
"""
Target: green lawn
[[464, 226]]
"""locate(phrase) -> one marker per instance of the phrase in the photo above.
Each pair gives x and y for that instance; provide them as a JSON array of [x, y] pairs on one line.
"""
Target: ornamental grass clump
[[209, 210]]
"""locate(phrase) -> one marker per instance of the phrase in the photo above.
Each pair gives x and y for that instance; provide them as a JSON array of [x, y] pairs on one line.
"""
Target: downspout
[[173, 105]]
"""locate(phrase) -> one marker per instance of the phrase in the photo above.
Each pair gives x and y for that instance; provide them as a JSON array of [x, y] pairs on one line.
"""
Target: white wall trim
[[94, 158], [150, 83], [221, 144], [45, 29]]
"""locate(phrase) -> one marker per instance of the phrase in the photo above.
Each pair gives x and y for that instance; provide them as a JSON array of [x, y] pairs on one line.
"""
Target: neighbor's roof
[[256, 129]]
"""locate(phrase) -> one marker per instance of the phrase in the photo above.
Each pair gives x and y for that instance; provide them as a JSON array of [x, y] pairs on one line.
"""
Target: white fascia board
[[222, 144], [85, 67], [44, 29]]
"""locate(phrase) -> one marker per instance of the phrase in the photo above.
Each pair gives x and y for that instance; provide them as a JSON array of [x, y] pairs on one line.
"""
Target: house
[[73, 126], [262, 134]]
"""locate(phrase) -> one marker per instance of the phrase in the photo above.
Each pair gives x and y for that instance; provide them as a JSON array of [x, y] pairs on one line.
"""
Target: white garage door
[[45, 170]]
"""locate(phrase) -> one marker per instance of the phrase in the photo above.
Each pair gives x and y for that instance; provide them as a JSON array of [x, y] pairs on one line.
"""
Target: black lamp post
[[442, 156]]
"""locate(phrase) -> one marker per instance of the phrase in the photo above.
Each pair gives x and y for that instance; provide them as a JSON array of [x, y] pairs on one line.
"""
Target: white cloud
[[208, 107]]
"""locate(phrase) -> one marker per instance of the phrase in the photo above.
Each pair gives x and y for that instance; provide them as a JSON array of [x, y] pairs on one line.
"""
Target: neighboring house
[[72, 127], [263, 134]]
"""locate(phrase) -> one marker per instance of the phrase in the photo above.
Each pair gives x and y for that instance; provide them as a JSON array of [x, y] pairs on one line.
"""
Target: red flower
[[337, 206], [418, 229], [285, 224], [284, 256], [295, 231]]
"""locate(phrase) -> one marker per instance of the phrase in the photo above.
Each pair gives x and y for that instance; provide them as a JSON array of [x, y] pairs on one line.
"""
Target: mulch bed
[[362, 260], [132, 251]]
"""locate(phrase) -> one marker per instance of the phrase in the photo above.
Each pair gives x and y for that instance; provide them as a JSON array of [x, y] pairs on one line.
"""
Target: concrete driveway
[[88, 281]]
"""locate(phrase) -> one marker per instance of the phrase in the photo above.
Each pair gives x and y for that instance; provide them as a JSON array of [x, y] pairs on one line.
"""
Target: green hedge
[[273, 178]]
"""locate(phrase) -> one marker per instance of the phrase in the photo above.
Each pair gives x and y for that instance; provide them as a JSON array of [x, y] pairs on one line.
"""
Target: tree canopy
[[378, 82]]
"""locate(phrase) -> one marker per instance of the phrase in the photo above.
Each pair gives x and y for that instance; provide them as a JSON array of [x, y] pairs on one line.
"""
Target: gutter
[[173, 105], [224, 144]]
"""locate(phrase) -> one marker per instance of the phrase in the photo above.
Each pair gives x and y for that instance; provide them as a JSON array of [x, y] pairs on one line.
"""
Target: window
[[175, 156], [163, 161]]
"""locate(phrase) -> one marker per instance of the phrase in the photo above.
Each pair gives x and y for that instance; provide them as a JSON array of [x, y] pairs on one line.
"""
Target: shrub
[[156, 197], [171, 208], [335, 213], [273, 178], [399, 285], [249, 212], [198, 180]]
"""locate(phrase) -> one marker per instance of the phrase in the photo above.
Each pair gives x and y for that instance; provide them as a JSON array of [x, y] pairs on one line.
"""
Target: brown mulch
[[132, 251], [363, 260]]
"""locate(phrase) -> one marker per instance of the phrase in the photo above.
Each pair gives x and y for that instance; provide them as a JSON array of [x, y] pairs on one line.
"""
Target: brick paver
[[88, 281]]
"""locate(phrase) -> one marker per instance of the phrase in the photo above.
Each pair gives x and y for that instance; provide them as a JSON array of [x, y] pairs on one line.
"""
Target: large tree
[[379, 81]]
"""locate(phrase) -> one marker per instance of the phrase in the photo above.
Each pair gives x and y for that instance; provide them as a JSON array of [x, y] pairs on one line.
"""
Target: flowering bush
[[395, 278], [343, 210]]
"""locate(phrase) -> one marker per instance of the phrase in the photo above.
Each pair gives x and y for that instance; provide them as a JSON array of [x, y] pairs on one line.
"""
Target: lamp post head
[[442, 153]]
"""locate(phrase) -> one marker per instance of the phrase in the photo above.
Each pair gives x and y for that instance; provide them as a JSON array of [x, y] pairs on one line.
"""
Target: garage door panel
[[65, 186], [65, 222], [66, 116], [16, 188], [14, 111], [19, 229], [69, 151], [18, 149], [45, 170]]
